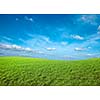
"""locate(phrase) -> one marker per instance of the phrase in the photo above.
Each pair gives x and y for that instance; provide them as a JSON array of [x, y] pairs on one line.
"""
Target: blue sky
[[68, 36]]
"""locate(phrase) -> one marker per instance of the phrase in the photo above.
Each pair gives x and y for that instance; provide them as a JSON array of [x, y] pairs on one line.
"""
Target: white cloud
[[46, 39], [98, 32], [28, 49], [94, 37], [30, 35], [20, 39], [29, 19], [51, 49], [93, 55], [39, 41], [14, 47], [79, 49], [99, 28], [64, 43], [40, 52], [7, 38], [90, 19], [89, 54], [82, 49], [77, 37], [89, 47], [5, 46]]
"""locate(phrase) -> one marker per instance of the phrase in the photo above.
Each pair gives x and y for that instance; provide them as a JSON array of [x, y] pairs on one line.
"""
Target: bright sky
[[67, 36]]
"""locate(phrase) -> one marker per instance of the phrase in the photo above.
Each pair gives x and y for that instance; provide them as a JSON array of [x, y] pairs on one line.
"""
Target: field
[[23, 71]]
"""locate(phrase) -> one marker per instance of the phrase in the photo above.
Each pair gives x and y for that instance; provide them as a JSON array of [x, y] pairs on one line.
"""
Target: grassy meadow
[[23, 71]]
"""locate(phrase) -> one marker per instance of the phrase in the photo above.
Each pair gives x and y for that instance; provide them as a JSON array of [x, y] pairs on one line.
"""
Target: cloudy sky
[[50, 36]]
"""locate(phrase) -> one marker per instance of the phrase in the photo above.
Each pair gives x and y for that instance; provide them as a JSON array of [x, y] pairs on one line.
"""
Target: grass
[[21, 71]]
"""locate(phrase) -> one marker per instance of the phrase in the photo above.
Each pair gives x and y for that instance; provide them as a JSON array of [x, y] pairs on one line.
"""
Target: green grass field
[[21, 71]]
